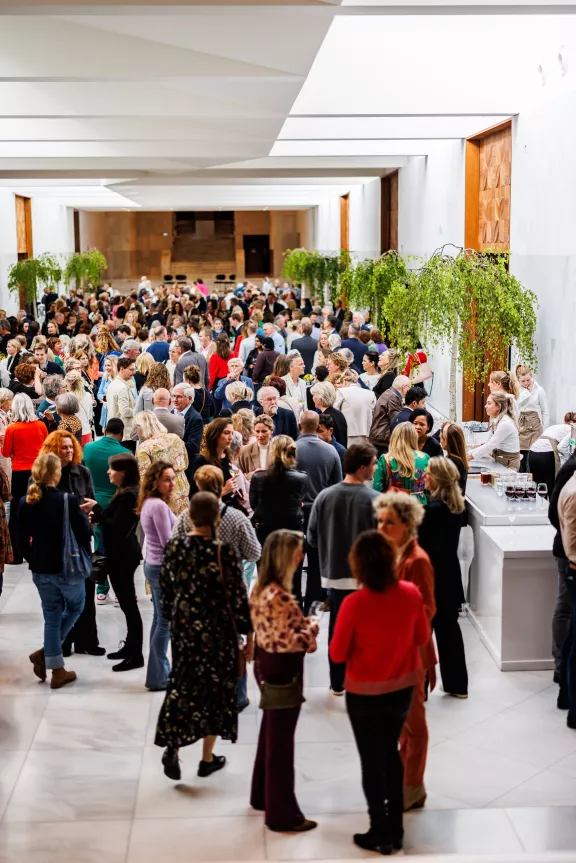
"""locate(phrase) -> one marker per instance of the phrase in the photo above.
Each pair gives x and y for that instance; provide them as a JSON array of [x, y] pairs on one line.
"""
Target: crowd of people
[[233, 444]]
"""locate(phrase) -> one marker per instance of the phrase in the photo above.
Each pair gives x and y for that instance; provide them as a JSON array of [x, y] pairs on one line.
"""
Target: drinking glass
[[499, 487], [519, 490], [531, 492], [542, 490]]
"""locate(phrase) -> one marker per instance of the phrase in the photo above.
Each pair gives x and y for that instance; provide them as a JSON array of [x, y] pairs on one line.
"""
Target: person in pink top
[[378, 633], [157, 520]]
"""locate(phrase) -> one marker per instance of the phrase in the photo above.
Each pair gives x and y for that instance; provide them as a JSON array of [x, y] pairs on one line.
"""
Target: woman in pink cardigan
[[157, 520]]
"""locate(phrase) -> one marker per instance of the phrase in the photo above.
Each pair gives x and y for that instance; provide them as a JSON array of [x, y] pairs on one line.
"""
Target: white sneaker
[[101, 598], [116, 602]]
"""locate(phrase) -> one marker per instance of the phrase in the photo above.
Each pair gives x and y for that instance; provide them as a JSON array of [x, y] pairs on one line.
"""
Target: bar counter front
[[513, 578]]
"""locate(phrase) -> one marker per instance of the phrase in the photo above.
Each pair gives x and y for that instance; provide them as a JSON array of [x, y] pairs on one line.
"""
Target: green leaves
[[315, 270], [33, 273], [85, 268]]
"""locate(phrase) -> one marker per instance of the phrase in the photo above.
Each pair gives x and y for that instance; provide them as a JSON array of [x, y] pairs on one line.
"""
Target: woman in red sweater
[[399, 516], [218, 367], [379, 631], [23, 439]]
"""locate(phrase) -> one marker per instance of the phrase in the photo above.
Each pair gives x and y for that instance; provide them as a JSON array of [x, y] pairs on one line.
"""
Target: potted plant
[[85, 268], [31, 274]]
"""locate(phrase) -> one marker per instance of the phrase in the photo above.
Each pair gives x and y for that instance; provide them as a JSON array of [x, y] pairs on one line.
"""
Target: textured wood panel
[[345, 223], [23, 225], [495, 171]]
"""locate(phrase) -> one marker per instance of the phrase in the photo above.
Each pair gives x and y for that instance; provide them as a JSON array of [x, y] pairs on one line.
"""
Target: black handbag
[[281, 696], [99, 568]]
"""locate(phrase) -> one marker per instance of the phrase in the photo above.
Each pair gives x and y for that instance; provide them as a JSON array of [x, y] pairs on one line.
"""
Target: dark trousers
[[377, 722], [273, 776], [543, 467], [84, 633], [18, 488], [337, 669], [568, 668], [451, 654], [314, 591], [122, 580], [562, 615]]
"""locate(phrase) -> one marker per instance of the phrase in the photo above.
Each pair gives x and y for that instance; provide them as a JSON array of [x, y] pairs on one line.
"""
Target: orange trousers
[[414, 739]]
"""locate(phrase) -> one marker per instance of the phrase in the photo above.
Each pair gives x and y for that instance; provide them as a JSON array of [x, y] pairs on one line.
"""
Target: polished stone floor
[[81, 781]]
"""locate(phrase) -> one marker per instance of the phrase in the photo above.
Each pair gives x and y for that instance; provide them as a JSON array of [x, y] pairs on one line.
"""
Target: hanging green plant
[[32, 274], [314, 269], [85, 268]]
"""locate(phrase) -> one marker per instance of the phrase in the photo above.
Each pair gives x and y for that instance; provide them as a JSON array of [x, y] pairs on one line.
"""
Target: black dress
[[438, 535], [432, 447], [276, 497], [201, 695], [385, 382]]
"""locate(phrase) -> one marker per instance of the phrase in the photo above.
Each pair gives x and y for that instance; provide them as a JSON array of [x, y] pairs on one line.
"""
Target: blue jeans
[[158, 668], [242, 691], [249, 572], [62, 605]]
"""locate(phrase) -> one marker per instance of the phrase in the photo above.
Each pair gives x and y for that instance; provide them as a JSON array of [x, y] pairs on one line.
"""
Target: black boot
[[121, 653], [129, 663], [207, 768], [171, 764]]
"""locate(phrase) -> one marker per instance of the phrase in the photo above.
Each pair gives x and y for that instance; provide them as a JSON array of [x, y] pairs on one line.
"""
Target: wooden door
[[345, 223], [23, 234], [389, 213]]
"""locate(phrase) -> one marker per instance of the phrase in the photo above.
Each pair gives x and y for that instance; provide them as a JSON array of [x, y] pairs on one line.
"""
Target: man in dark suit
[[183, 396], [188, 357], [306, 345], [272, 308], [284, 420], [357, 347]]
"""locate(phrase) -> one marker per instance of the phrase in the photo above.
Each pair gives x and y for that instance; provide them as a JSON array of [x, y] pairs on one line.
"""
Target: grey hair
[[347, 354], [22, 409], [67, 404], [235, 361], [266, 391], [325, 392], [5, 395], [334, 341], [51, 386], [238, 392], [294, 355], [186, 389], [130, 345]]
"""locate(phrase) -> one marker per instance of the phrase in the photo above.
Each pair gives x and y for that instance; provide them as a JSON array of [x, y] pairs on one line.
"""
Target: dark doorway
[[257, 254]]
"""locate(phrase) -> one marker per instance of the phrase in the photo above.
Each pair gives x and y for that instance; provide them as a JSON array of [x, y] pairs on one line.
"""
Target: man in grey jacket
[[339, 515], [173, 423], [190, 358], [321, 464]]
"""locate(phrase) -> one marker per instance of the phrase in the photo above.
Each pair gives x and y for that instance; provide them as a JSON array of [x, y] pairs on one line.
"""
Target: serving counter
[[513, 578]]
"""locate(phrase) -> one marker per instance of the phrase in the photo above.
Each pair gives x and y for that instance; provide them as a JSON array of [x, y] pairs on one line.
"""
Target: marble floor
[[81, 781]]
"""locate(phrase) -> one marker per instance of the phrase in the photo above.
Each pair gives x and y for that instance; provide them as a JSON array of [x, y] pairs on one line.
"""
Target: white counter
[[513, 581], [486, 508]]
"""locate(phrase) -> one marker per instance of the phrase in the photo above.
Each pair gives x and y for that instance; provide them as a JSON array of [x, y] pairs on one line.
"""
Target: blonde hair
[[447, 489], [148, 424], [392, 357], [46, 469], [282, 453], [75, 384], [238, 392], [243, 422], [406, 507], [507, 381], [521, 370], [210, 478], [403, 444], [111, 358], [345, 378], [275, 565], [144, 363], [505, 406]]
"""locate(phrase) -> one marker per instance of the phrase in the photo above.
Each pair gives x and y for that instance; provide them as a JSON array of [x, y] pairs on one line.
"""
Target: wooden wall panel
[[389, 213], [494, 192], [23, 225], [345, 223]]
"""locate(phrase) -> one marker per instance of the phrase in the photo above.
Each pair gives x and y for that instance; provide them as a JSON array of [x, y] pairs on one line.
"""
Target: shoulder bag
[[76, 562], [281, 696]]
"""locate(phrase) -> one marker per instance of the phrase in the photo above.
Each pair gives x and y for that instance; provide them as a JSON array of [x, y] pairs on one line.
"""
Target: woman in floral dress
[[206, 618], [156, 444]]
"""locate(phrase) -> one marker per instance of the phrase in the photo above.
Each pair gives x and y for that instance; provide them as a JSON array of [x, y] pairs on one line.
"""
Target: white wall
[[327, 225], [364, 213], [8, 247], [52, 228], [543, 238], [431, 214]]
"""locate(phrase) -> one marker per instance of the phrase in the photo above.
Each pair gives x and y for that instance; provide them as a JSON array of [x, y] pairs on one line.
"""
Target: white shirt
[[296, 390], [562, 434], [504, 437], [263, 453], [369, 380], [534, 400], [247, 345], [279, 344], [357, 405]]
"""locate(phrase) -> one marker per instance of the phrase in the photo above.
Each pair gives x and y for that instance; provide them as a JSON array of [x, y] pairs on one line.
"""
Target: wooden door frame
[[473, 400], [389, 213], [345, 222]]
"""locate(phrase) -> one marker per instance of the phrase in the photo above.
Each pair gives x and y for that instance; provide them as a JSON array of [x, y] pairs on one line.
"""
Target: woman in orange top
[[22, 441], [399, 516]]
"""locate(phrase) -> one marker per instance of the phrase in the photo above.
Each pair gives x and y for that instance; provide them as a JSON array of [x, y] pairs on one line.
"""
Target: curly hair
[[149, 483], [47, 468], [53, 443], [159, 377], [243, 422], [105, 342], [24, 372]]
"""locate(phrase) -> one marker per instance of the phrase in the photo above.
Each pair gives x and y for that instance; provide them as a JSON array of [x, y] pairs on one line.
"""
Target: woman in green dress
[[403, 466], [203, 595]]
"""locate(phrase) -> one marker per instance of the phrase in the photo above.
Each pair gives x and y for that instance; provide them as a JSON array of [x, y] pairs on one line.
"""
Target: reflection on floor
[[80, 778]]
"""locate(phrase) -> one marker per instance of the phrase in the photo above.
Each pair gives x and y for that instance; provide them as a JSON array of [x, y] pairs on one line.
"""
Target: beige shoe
[[414, 797], [39, 663], [60, 677]]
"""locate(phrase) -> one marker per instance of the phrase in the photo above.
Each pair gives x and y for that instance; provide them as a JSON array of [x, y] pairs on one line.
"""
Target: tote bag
[[76, 563]]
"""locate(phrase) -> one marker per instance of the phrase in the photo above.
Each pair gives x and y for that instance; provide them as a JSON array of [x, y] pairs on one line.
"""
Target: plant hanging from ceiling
[[314, 269], [369, 282], [85, 268], [31, 274]]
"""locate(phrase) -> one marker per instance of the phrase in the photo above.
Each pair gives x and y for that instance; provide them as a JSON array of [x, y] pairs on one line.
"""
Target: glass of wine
[[519, 491], [531, 492], [542, 490]]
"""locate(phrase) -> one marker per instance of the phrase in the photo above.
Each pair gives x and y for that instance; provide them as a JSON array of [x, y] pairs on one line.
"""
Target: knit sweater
[[157, 520], [22, 443], [378, 636]]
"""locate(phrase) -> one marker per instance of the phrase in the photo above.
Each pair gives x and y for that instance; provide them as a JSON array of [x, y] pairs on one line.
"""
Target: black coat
[[276, 498], [284, 421], [385, 382], [77, 481], [432, 447], [462, 472], [119, 522], [564, 474], [193, 431], [41, 530], [438, 535], [340, 425]]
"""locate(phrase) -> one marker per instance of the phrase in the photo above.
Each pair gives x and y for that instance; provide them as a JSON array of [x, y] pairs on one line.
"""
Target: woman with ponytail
[[41, 532], [549, 452], [503, 441], [505, 382]]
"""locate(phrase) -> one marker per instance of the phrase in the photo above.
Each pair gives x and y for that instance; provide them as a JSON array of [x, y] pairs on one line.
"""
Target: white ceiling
[[276, 103]]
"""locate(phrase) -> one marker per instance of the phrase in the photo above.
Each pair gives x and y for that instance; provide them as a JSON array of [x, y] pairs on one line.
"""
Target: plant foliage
[[315, 270], [31, 274], [85, 268]]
